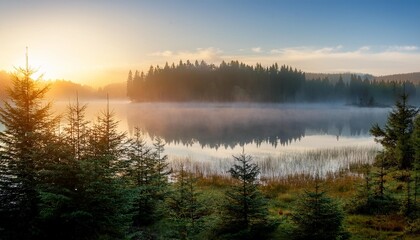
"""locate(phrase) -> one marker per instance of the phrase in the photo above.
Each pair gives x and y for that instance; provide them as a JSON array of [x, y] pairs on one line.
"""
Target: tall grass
[[301, 164]]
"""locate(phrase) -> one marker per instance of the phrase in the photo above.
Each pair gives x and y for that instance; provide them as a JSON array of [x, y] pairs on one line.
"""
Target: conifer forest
[[210, 120]]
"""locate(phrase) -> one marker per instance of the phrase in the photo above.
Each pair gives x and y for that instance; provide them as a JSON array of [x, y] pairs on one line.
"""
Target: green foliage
[[415, 139], [186, 211], [146, 172], [232, 81], [317, 216], [246, 212], [373, 197], [29, 127], [89, 182], [82, 196], [395, 136], [236, 81]]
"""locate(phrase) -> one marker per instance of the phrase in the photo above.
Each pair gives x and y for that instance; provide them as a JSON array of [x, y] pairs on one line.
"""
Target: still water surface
[[219, 129], [213, 132]]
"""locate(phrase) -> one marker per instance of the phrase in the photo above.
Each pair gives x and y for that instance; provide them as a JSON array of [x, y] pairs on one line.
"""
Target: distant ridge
[[66, 90], [411, 77]]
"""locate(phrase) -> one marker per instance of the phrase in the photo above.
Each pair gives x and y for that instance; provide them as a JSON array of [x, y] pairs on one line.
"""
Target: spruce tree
[[103, 198], [416, 165], [246, 212], [58, 191], [62, 198], [140, 174], [185, 210], [395, 136], [318, 217], [29, 128], [147, 171], [77, 129]]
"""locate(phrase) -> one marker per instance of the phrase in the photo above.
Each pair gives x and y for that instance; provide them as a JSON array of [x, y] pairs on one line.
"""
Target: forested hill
[[235, 81], [66, 90], [334, 77], [412, 77]]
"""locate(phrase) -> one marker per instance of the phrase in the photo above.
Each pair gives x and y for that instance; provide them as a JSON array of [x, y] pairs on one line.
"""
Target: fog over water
[[209, 132], [226, 125]]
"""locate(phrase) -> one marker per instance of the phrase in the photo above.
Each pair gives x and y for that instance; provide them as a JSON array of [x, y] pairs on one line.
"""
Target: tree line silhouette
[[237, 81]]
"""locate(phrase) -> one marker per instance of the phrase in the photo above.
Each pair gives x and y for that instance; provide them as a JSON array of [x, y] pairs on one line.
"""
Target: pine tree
[[29, 128], [77, 129], [61, 213], [396, 140], [361, 202], [57, 192], [246, 212], [395, 136], [147, 171], [103, 198], [186, 211], [161, 166], [317, 216], [416, 165], [140, 171]]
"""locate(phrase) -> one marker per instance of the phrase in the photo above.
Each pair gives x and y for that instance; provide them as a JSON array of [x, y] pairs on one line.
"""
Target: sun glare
[[44, 67]]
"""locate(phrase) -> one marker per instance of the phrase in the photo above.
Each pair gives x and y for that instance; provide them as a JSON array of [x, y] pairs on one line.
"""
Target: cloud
[[306, 51], [378, 60], [364, 49], [207, 54], [365, 59], [329, 49], [402, 48], [256, 49], [162, 54]]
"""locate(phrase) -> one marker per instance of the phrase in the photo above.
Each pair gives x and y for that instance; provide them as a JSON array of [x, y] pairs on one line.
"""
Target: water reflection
[[230, 125]]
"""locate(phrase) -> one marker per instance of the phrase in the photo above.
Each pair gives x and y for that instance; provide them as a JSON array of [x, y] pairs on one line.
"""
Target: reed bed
[[308, 164]]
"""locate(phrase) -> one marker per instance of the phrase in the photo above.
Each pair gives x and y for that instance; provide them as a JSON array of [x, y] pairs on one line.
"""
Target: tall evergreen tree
[[140, 171], [147, 171], [104, 200], [186, 211], [416, 165], [29, 128], [395, 136], [77, 130], [62, 198], [246, 212]]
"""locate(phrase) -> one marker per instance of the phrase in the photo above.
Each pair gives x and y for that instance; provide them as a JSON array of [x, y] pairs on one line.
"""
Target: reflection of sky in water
[[284, 139], [207, 131], [195, 151]]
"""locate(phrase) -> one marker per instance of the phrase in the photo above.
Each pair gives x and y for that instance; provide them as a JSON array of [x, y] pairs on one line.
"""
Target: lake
[[283, 138]]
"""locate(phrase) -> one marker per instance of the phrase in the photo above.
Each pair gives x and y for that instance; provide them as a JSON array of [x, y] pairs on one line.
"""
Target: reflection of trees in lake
[[216, 125]]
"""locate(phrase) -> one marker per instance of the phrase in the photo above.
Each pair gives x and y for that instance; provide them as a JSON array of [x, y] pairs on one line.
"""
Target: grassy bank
[[282, 195], [282, 191]]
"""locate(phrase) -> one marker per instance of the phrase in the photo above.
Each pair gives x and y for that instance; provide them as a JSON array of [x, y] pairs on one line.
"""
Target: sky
[[96, 42]]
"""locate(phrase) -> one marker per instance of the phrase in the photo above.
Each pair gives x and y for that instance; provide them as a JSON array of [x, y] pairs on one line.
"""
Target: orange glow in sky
[[98, 42]]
